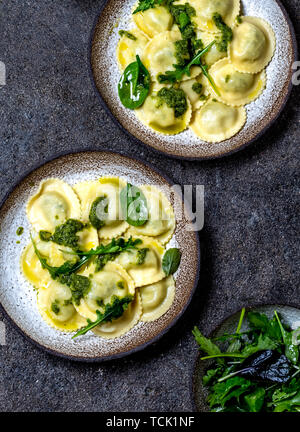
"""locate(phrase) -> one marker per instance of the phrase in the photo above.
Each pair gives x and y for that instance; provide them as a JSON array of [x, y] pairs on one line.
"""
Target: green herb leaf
[[67, 268], [205, 344], [112, 311], [171, 261], [134, 205], [134, 85]]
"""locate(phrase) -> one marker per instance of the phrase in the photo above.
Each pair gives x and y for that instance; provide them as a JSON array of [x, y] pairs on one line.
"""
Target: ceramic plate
[[18, 298], [289, 314], [260, 114]]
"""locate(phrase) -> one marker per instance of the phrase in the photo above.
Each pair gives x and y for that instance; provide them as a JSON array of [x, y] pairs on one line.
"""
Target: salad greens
[[254, 370], [134, 85]]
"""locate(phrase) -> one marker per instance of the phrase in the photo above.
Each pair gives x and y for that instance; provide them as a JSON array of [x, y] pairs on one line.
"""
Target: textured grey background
[[249, 243]]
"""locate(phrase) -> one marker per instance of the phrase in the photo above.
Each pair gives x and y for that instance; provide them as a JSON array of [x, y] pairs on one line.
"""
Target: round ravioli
[[236, 88], [161, 219], [154, 20], [157, 298], [107, 192], [196, 90], [122, 325], [32, 268], [160, 55], [157, 115], [56, 308], [112, 281], [216, 122], [252, 46], [144, 264], [129, 47], [54, 203], [205, 9]]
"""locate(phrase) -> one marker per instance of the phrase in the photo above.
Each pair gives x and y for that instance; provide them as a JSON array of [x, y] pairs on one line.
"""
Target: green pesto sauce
[[55, 308], [79, 286], [239, 19], [127, 34], [197, 87], [120, 285], [65, 234], [182, 54], [94, 212], [227, 78], [18, 241], [20, 231], [226, 33], [100, 302], [174, 98], [141, 256], [101, 260]]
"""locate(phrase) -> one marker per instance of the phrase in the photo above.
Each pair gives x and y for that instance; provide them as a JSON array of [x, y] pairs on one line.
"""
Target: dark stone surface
[[249, 242]]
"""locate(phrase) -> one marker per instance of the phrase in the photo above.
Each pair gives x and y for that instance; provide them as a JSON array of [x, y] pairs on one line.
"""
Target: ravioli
[[158, 116], [252, 46], [56, 308], [88, 238], [157, 298], [112, 281], [236, 88], [109, 188], [196, 100], [150, 270], [54, 203], [161, 219], [216, 122], [128, 49], [153, 21], [159, 55], [122, 325], [205, 10], [32, 268]]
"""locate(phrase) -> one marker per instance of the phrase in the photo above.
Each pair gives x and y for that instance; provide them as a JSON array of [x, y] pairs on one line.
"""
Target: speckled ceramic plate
[[260, 114], [18, 298], [289, 314]]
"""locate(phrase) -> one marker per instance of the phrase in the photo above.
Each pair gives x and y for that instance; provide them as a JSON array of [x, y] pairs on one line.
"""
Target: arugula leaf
[[112, 311], [205, 344], [67, 268], [171, 261]]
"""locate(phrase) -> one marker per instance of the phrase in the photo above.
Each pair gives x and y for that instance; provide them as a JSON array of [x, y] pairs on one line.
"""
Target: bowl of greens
[[250, 363]]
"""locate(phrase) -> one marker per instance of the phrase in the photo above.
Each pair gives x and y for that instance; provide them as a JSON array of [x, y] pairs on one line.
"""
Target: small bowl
[[290, 314]]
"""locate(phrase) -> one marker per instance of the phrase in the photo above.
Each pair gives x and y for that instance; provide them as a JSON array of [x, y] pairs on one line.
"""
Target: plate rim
[[252, 306], [141, 347], [190, 158]]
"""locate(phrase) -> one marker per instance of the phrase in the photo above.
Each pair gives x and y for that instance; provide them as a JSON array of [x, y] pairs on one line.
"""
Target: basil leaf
[[171, 261], [134, 85], [134, 205]]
